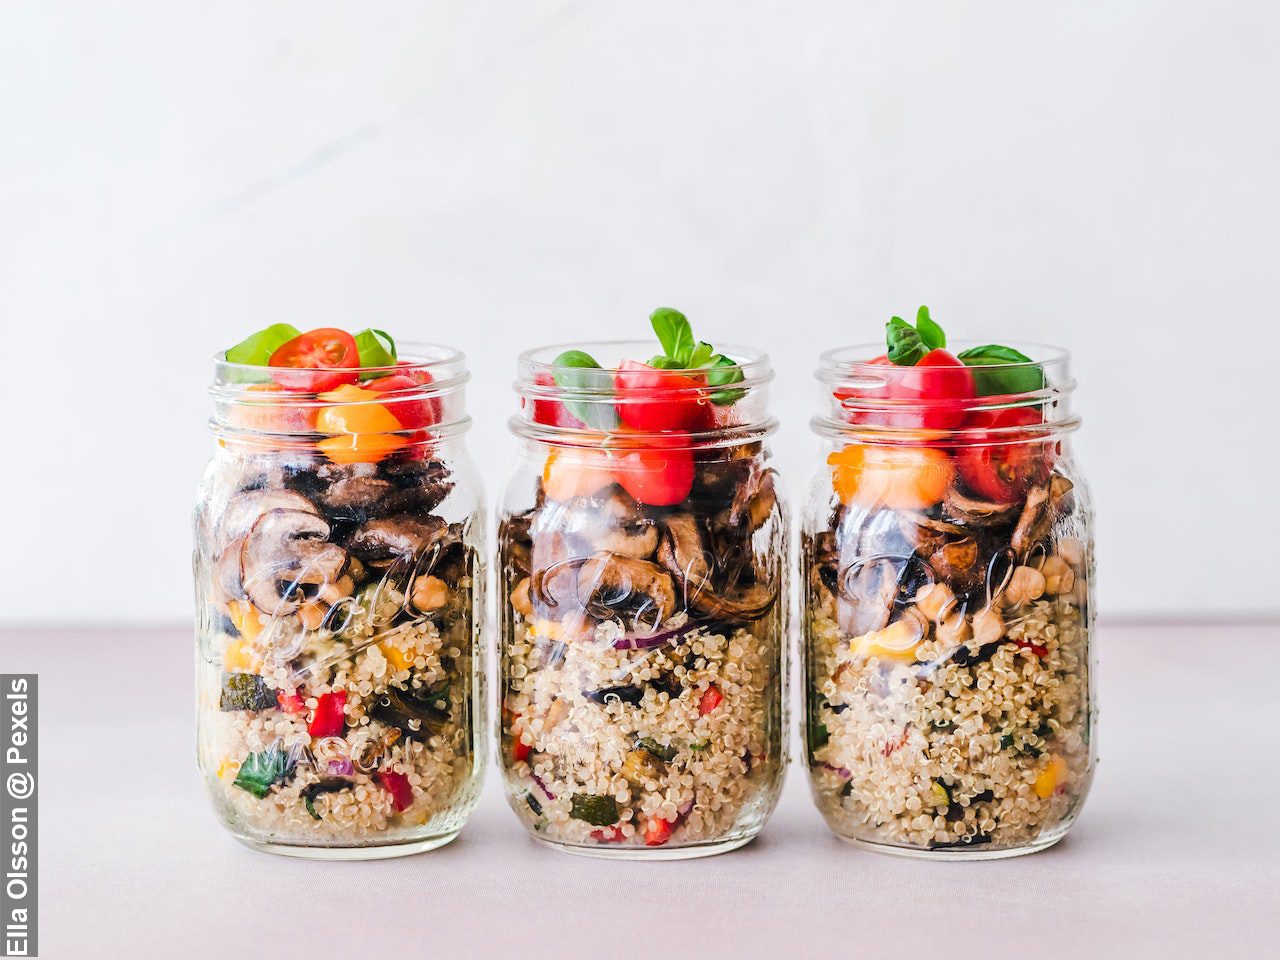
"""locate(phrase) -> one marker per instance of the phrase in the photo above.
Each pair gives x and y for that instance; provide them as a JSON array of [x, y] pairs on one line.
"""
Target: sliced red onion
[[641, 641], [342, 768], [844, 774], [541, 786]]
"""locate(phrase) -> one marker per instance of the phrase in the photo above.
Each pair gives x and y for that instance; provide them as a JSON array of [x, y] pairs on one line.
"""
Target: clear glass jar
[[339, 601], [643, 601], [948, 574]]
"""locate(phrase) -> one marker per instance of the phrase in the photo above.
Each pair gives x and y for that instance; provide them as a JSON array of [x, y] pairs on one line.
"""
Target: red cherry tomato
[[653, 399], [1003, 472], [412, 411], [327, 349], [398, 785], [657, 831], [552, 412], [711, 698], [291, 703], [935, 393], [660, 475]]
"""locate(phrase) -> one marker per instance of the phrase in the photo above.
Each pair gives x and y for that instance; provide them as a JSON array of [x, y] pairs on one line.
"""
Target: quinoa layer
[[948, 752], [617, 743]]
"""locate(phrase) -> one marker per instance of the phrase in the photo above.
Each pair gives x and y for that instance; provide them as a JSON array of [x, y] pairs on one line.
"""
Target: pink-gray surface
[[1177, 853]]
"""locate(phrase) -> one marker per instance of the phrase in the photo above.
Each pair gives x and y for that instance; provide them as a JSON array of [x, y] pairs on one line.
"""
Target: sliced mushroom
[[610, 586], [1033, 523], [956, 563], [285, 561], [243, 510], [380, 543], [628, 532], [977, 512], [753, 502], [355, 494], [682, 552], [553, 584], [228, 577], [420, 485]]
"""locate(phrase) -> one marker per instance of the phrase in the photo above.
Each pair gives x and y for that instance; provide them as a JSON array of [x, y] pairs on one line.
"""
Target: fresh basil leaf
[[701, 355], [376, 348], [663, 362], [992, 378], [905, 348], [256, 350], [722, 373], [930, 333], [584, 374], [674, 333]]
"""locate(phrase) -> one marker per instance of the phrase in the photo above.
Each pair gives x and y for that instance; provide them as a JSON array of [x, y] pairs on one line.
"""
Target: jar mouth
[[870, 400], [252, 408], [725, 404]]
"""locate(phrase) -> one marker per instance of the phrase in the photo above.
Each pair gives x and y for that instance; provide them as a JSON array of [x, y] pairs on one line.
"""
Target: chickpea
[[1058, 575], [935, 600], [520, 599], [954, 629], [988, 626], [430, 593], [1026, 584]]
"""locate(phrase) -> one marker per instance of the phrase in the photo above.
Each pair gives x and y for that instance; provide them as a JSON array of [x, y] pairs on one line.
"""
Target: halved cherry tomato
[[659, 474], [1003, 472], [898, 477], [397, 784], [657, 831], [552, 412], [934, 394], [328, 718], [653, 399], [325, 349], [710, 699], [608, 835], [412, 411]]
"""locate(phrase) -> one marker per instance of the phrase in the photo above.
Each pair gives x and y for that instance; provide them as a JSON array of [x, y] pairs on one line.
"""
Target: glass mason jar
[[339, 600], [948, 574], [643, 600]]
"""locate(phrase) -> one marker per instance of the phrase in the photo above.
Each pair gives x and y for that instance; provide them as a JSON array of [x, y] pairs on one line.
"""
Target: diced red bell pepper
[[1035, 648], [397, 784], [328, 719], [711, 698], [291, 703], [520, 751], [608, 835], [657, 831]]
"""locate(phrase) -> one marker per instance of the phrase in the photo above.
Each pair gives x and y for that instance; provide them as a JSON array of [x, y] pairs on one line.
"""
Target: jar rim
[[753, 363], [414, 357]]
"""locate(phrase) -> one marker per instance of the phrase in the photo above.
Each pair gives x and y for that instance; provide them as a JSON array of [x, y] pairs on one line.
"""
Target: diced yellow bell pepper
[[898, 641], [1051, 777], [398, 658]]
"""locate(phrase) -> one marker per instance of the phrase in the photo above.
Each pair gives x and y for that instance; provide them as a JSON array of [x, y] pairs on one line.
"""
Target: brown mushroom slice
[[978, 513], [735, 606], [753, 502], [610, 586], [243, 510], [355, 493], [403, 538], [286, 561], [1060, 491], [682, 550], [553, 583], [1033, 523], [420, 485], [956, 563], [228, 576]]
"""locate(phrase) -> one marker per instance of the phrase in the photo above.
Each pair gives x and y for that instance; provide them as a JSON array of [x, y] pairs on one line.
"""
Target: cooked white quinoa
[[438, 769], [961, 755], [724, 771]]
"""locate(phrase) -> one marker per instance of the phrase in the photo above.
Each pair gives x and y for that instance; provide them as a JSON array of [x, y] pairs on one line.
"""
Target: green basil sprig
[[256, 349], [683, 352], [999, 379], [577, 374], [907, 344], [376, 348]]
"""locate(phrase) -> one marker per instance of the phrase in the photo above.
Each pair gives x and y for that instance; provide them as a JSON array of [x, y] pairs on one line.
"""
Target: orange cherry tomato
[[318, 360], [262, 409], [902, 478], [364, 430], [575, 472]]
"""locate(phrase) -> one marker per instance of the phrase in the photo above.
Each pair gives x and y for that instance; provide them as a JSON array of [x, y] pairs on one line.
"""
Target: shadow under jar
[[948, 570], [339, 612], [643, 582]]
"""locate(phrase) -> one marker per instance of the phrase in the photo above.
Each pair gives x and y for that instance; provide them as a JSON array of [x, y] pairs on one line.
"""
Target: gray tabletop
[[1177, 852]]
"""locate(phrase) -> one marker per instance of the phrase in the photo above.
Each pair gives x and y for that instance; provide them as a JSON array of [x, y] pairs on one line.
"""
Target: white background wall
[[174, 175]]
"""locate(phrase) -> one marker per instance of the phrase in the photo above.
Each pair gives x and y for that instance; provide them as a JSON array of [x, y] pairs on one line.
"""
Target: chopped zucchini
[[261, 770], [597, 811], [245, 691]]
